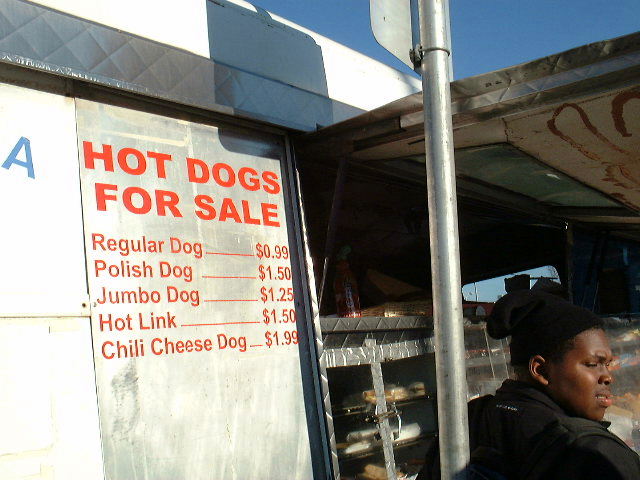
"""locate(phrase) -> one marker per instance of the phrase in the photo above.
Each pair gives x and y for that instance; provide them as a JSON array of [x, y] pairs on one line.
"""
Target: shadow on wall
[[254, 43]]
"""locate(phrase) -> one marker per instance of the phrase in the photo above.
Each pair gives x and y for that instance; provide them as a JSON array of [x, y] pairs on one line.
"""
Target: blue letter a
[[13, 157]]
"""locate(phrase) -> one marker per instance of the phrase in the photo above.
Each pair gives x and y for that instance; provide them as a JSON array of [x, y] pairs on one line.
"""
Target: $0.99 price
[[276, 251], [276, 294], [274, 339]]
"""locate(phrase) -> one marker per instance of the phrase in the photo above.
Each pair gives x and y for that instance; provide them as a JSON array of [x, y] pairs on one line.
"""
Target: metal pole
[[443, 233], [569, 261], [381, 410], [330, 242]]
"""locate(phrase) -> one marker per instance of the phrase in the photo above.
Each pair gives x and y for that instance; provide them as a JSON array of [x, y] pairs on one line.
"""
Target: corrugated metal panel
[[528, 85]]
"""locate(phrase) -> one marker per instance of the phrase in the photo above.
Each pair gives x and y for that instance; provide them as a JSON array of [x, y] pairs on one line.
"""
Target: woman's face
[[580, 381]]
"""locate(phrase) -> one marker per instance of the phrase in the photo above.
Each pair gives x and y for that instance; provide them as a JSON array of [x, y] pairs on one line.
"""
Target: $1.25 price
[[276, 294], [274, 339]]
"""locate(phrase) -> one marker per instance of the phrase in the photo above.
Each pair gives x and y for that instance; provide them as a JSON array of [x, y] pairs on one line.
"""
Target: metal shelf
[[377, 448], [487, 360], [370, 407], [352, 356]]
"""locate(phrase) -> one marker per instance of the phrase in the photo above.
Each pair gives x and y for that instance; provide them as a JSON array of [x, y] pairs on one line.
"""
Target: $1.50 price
[[271, 273], [274, 339], [288, 315], [276, 294], [276, 251]]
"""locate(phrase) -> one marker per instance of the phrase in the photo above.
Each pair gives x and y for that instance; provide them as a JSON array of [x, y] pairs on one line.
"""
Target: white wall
[[351, 77], [40, 226], [48, 405]]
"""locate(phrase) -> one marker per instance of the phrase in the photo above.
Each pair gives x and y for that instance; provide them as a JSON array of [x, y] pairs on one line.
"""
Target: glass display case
[[381, 374], [624, 414], [487, 361]]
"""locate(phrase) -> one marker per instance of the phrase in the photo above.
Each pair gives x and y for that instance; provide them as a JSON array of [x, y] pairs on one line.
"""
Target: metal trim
[[358, 339], [334, 216], [370, 324], [346, 357], [316, 348], [381, 409]]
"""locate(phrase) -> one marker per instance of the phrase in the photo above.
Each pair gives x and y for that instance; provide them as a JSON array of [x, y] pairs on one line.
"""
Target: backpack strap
[[486, 463], [553, 441]]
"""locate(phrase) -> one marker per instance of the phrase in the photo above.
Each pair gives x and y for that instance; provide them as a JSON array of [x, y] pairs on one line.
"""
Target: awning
[[558, 136]]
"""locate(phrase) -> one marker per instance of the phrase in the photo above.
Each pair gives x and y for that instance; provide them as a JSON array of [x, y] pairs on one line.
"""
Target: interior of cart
[[536, 209], [384, 221]]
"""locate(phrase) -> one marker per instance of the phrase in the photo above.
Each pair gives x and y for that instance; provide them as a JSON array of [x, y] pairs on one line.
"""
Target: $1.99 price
[[275, 339]]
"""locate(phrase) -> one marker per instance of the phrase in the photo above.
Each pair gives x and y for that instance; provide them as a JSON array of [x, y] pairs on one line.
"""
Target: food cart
[[166, 217]]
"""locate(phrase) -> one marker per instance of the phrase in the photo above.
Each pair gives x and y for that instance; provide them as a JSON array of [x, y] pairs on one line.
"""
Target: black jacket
[[512, 423]]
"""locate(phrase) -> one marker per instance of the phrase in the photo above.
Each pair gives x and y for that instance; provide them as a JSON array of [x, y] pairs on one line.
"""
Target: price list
[[178, 289], [279, 310], [275, 295], [150, 292]]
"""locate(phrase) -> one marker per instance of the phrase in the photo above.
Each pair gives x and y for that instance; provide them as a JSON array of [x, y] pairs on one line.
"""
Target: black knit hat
[[538, 323]]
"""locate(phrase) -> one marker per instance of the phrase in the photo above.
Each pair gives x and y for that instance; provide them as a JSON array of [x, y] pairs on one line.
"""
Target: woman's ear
[[538, 370]]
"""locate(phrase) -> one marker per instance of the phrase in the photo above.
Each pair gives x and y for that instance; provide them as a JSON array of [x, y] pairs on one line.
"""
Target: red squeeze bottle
[[345, 287]]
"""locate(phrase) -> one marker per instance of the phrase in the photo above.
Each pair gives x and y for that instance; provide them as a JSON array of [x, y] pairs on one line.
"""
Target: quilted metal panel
[[540, 82], [531, 93], [39, 38], [315, 331], [340, 324]]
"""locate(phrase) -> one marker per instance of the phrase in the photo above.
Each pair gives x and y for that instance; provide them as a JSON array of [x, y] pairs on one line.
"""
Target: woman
[[547, 423]]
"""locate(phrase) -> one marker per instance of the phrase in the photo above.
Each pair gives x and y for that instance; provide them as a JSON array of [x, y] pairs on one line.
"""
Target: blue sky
[[486, 34]]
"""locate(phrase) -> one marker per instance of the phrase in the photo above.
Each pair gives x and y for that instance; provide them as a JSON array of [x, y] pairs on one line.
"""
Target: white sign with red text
[[193, 313]]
